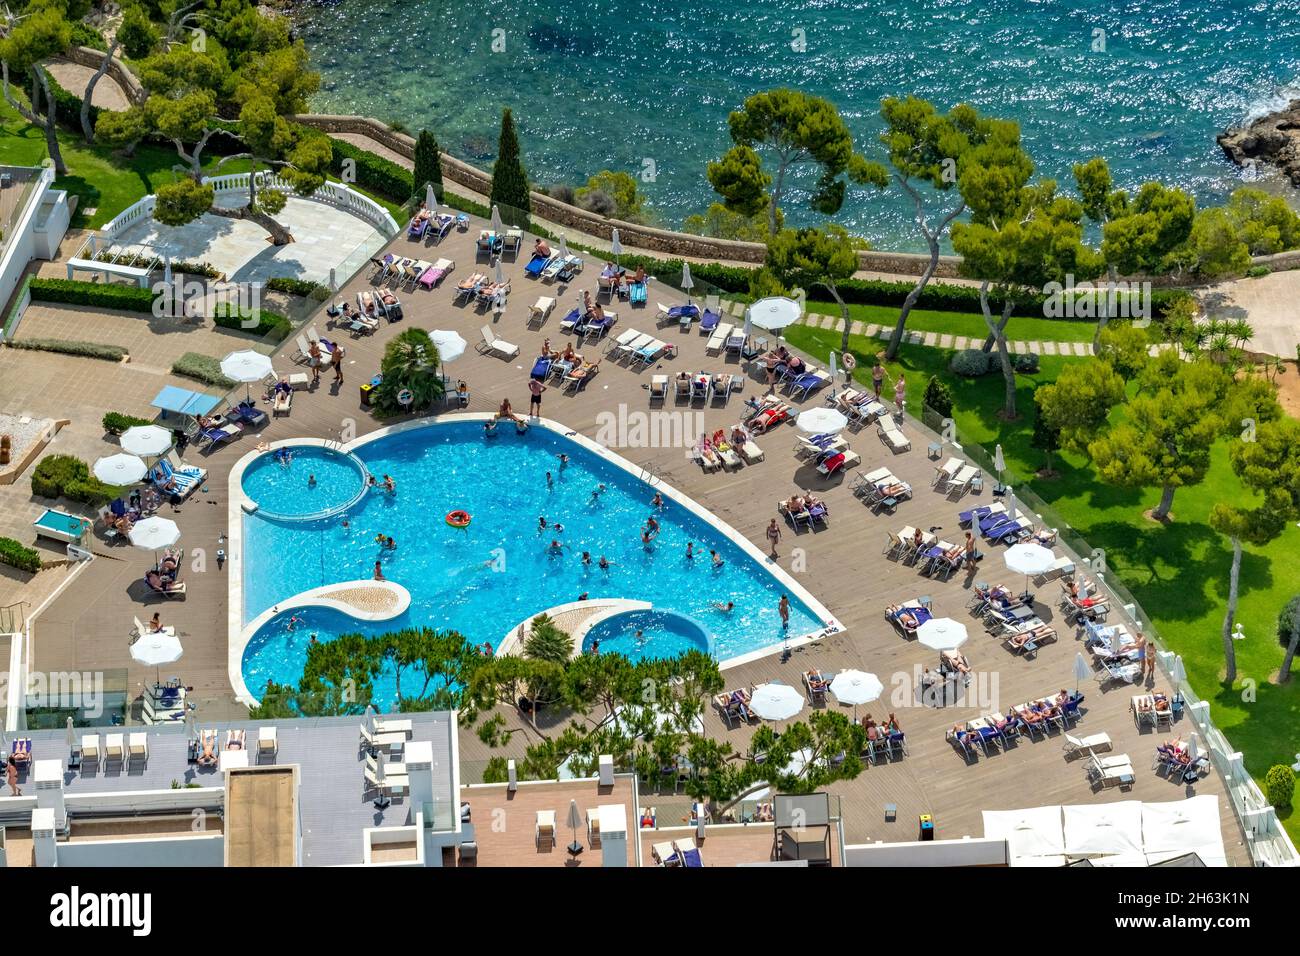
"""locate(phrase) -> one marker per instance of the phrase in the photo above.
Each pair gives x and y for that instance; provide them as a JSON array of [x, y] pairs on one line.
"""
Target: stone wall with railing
[[117, 70]]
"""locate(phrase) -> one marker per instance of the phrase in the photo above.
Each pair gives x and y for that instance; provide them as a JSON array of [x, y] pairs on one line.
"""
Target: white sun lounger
[[959, 482], [892, 437], [623, 342], [544, 834], [719, 337], [495, 346], [540, 309], [1087, 745]]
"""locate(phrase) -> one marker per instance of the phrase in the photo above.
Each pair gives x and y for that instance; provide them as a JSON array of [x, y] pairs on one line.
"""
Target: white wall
[[20, 245], [204, 849], [979, 852]]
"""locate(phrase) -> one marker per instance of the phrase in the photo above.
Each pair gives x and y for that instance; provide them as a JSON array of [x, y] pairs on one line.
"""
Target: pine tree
[[428, 165], [509, 181]]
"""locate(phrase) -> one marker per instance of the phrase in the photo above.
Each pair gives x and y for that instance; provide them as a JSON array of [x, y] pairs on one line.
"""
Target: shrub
[[137, 33], [970, 363], [202, 368], [1257, 272], [18, 555], [109, 353], [938, 396], [63, 476], [271, 325], [85, 35], [1279, 786], [115, 422], [1026, 364], [127, 298]]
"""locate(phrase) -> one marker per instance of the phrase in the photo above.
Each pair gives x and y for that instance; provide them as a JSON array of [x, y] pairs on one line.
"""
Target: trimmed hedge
[[63, 476], [1279, 786], [299, 287], [115, 422], [270, 325], [373, 173], [95, 350], [12, 318], [202, 368], [126, 298], [18, 555]]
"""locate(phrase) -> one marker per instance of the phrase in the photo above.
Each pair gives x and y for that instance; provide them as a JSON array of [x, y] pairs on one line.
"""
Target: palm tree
[[410, 364], [546, 642]]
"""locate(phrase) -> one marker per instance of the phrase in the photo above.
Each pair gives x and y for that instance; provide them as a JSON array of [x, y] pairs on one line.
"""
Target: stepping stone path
[[945, 340]]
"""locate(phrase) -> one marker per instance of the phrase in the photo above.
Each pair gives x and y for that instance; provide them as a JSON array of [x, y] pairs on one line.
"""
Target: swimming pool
[[314, 481], [484, 579], [647, 634]]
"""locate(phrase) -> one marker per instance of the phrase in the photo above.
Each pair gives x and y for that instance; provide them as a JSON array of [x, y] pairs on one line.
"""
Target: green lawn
[[1178, 572], [969, 324], [101, 180]]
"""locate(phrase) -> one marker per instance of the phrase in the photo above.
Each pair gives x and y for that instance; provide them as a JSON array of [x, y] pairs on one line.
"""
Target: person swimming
[[604, 563], [600, 490], [725, 608], [657, 501], [541, 523], [311, 481], [564, 461], [555, 547], [550, 482], [717, 559], [586, 558]]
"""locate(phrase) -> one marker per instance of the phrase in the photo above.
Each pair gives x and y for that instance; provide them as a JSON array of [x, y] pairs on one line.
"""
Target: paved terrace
[[335, 806], [87, 627]]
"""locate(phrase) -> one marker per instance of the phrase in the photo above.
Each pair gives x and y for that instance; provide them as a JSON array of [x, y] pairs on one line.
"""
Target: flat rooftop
[[333, 804], [261, 816]]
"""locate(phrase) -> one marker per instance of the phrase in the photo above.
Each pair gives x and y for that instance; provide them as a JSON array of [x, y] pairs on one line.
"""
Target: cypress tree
[[509, 181], [428, 165]]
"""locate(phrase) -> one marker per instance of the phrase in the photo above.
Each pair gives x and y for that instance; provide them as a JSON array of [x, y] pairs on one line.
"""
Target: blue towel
[[540, 368], [710, 321]]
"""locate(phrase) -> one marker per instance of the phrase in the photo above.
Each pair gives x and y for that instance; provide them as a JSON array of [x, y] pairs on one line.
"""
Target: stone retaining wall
[[90, 58], [631, 235]]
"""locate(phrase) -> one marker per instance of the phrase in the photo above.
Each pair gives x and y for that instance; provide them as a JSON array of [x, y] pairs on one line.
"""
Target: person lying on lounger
[[235, 740], [904, 616], [208, 757], [1018, 641], [795, 505], [816, 683], [541, 248], [918, 538], [956, 660]]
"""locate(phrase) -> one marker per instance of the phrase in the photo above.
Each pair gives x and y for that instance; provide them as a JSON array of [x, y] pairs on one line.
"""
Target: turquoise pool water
[[647, 634], [313, 481], [646, 87], [485, 579]]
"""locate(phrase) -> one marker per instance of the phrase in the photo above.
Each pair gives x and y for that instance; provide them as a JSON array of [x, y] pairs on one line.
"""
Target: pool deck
[[86, 627]]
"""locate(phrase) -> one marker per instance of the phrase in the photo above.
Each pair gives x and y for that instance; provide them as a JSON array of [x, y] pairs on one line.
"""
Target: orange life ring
[[458, 519]]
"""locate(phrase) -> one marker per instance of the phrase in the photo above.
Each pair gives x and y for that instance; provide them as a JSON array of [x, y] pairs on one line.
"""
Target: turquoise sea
[[647, 86]]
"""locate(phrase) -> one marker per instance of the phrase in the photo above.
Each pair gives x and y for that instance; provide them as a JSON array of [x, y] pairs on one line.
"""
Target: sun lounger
[[626, 342], [1110, 772], [540, 309], [767, 416], [395, 776], [433, 275], [282, 403], [649, 352], [980, 513], [1087, 746], [89, 749], [577, 379], [494, 346], [468, 287], [659, 388], [267, 743], [908, 617], [719, 337], [891, 436], [961, 481], [380, 740], [544, 832], [839, 460], [537, 265], [750, 452]]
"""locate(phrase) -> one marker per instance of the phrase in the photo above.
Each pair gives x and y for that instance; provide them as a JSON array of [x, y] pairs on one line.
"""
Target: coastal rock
[[1272, 139]]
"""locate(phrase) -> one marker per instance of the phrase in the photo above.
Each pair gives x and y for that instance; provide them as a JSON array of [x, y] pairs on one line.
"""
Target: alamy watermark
[[622, 428], [184, 297], [1118, 299]]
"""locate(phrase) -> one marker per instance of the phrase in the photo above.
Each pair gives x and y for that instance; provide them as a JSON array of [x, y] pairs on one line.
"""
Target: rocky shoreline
[[1273, 139]]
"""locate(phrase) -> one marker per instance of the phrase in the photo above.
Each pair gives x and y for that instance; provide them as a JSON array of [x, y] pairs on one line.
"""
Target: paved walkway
[[325, 238], [1267, 303]]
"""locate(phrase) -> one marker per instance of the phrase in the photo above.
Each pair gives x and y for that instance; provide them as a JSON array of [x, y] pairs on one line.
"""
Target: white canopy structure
[[1103, 829], [1185, 826], [1032, 832], [1127, 833]]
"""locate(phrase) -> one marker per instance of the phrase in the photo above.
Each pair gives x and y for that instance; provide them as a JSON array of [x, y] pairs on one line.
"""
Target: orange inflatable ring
[[458, 519]]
